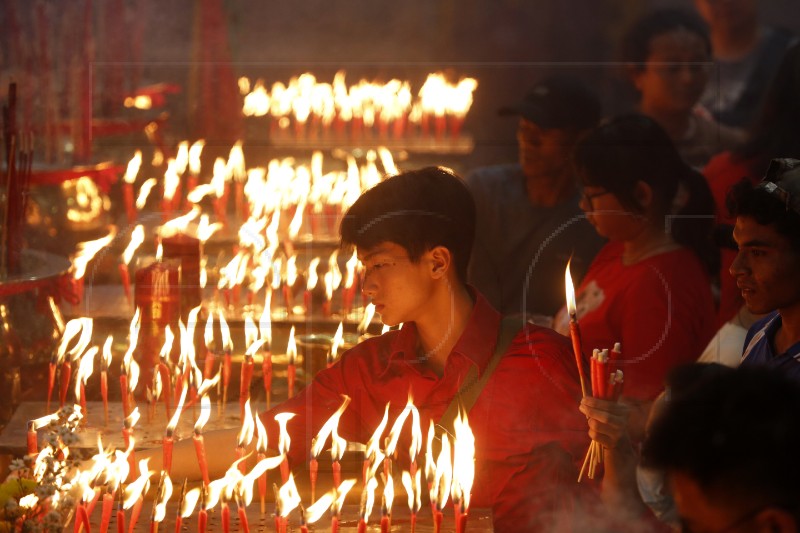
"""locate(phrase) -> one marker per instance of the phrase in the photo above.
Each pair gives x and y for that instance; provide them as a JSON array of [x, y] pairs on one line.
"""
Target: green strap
[[472, 387]]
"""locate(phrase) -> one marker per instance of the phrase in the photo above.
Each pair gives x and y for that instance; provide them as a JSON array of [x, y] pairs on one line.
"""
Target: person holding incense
[[728, 445], [649, 287], [413, 232]]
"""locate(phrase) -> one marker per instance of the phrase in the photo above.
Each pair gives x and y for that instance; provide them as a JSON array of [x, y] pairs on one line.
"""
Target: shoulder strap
[[472, 387]]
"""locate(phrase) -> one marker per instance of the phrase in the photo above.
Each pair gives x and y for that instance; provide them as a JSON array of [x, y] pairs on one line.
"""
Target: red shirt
[[529, 433], [660, 309]]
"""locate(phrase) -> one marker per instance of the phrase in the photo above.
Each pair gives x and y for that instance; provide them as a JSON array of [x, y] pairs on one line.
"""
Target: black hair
[[418, 210], [636, 43], [632, 148], [776, 131], [747, 200], [733, 432]]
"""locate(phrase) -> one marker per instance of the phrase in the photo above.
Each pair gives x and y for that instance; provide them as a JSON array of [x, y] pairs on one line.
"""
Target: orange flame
[[137, 238], [133, 167], [570, 290], [245, 436], [329, 427], [284, 440], [144, 192]]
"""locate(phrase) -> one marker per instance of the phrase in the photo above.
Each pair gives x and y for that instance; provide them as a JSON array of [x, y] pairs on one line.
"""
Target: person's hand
[[608, 421]]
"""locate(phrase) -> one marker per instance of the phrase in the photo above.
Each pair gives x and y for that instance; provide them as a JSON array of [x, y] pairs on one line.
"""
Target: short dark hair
[[636, 43], [418, 210], [747, 200], [734, 432], [633, 147]]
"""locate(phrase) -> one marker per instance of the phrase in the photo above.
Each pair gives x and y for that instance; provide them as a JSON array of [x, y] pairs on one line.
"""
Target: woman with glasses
[[649, 287], [667, 57]]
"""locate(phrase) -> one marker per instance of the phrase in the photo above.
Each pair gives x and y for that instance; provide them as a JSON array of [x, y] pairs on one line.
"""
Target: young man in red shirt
[[413, 233]]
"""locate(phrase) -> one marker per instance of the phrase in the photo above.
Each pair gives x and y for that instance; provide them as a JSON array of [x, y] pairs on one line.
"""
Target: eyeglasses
[[589, 197], [380, 266]]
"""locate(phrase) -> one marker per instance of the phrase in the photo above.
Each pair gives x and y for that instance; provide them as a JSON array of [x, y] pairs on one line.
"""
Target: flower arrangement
[[39, 494]]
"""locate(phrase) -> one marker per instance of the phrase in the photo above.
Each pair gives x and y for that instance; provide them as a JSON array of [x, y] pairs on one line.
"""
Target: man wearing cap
[[529, 223], [767, 267]]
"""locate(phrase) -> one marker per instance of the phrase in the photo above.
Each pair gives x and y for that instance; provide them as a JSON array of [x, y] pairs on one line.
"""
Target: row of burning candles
[[258, 191], [169, 378], [449, 475], [336, 107]]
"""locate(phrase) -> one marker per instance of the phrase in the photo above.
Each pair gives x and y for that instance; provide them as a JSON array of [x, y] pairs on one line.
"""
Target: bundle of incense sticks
[[606, 385], [15, 181]]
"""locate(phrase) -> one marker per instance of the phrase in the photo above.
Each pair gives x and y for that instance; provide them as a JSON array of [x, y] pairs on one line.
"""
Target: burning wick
[[199, 446], [574, 329], [291, 354]]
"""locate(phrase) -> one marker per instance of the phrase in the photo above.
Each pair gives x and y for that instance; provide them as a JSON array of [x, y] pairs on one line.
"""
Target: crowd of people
[[682, 222]]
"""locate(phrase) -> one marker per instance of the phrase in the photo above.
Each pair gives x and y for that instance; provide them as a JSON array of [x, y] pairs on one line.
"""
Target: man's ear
[[643, 194], [776, 520], [440, 261]]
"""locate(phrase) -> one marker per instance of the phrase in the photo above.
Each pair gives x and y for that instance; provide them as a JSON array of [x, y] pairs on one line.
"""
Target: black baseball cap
[[558, 102], [783, 182]]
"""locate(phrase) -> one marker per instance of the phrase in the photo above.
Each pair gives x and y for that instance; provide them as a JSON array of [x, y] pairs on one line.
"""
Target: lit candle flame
[[443, 477], [86, 251], [190, 502], [132, 419], [315, 511], [139, 486], [313, 278], [366, 320], [350, 270], [368, 499], [182, 157], [329, 427], [205, 413], [194, 156], [570, 290], [338, 340], [166, 348], [261, 433], [413, 488], [246, 484], [265, 322], [344, 488], [463, 461], [144, 192], [245, 436], [288, 496], [284, 440], [106, 360], [173, 422], [179, 224], [373, 444], [160, 510], [388, 494], [291, 348], [227, 343], [250, 331], [133, 167], [85, 369], [137, 238]]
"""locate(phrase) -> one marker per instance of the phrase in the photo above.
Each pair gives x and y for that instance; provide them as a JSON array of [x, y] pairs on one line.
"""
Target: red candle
[[337, 474], [226, 517], [202, 520], [125, 275], [51, 380], [334, 524], [166, 452], [127, 432], [226, 375], [66, 376], [82, 519], [124, 394], [313, 468], [157, 294], [108, 507], [33, 439], [362, 526], [244, 384], [385, 524], [437, 521], [262, 485], [130, 207], [187, 250], [291, 373], [120, 520], [208, 368], [135, 512], [266, 370], [239, 455], [200, 450], [243, 525]]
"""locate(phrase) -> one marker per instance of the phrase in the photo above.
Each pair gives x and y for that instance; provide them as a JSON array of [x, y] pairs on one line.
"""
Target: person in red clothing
[[413, 232], [648, 288], [776, 133]]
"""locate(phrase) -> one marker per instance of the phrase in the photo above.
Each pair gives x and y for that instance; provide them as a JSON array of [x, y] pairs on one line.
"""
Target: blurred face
[[766, 267], [399, 288], [728, 15], [700, 515], [609, 218], [675, 74], [544, 153]]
